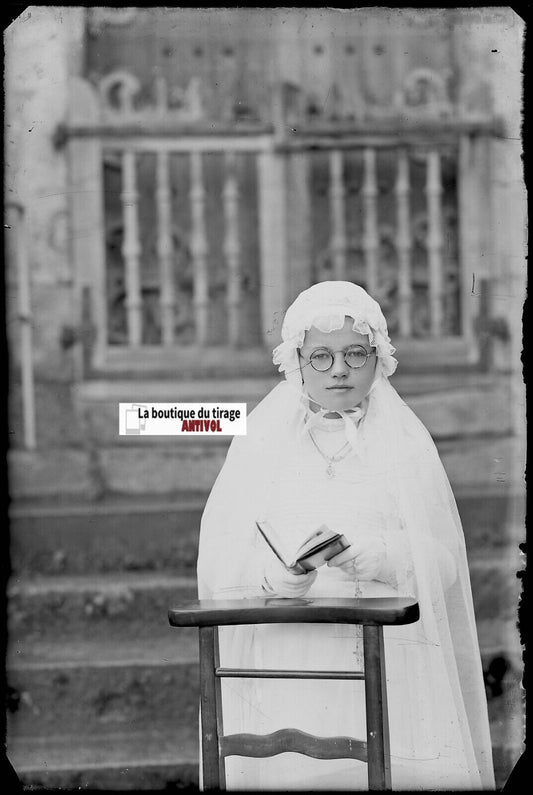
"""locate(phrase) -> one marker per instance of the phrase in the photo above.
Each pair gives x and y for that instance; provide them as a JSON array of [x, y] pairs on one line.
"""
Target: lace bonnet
[[325, 306]]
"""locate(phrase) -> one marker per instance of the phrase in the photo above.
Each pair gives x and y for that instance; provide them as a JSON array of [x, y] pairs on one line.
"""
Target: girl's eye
[[321, 356], [356, 356]]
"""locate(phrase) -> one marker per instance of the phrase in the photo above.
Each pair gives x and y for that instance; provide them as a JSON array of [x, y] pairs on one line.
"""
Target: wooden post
[[434, 242], [199, 248], [483, 327], [209, 703], [371, 236], [86, 215], [164, 249], [298, 224], [232, 249], [273, 244], [472, 209], [19, 249], [338, 220], [377, 725], [131, 248], [403, 244]]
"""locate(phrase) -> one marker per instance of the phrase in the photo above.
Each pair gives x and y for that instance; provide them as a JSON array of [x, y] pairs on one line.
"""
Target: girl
[[335, 444]]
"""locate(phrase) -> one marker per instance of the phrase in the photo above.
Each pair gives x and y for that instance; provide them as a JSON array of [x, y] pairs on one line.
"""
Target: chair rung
[[284, 740], [260, 673]]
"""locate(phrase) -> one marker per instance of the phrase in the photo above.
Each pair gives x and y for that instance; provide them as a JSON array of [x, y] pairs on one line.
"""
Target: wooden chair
[[372, 614]]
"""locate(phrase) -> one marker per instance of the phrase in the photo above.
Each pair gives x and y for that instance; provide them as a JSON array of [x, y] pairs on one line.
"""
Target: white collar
[[350, 418]]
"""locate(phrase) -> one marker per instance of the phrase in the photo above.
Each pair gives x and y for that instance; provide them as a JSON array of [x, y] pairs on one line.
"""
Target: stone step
[[122, 606], [176, 466], [454, 406], [137, 722], [152, 533], [165, 646], [115, 534], [135, 604], [147, 761], [90, 687], [252, 388], [184, 464], [449, 407], [48, 616], [145, 764], [109, 760]]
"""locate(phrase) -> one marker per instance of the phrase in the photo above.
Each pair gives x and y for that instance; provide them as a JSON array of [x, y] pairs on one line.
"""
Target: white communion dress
[[431, 735]]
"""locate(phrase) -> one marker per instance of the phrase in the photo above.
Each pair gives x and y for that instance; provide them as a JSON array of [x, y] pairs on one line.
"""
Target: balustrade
[[246, 208], [397, 230]]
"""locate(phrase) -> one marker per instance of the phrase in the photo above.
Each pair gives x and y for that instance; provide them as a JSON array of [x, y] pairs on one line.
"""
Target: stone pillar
[[42, 48], [39, 47]]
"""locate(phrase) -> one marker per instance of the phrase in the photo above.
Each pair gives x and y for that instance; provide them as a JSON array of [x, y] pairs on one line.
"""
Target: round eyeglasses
[[355, 357]]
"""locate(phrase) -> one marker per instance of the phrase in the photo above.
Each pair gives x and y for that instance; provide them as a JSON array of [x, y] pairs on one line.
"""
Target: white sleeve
[[231, 554]]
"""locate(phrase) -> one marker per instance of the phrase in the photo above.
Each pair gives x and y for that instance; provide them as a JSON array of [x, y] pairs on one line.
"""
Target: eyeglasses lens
[[321, 361], [355, 358]]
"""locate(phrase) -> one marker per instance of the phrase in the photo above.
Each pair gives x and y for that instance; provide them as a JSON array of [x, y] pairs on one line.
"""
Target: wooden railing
[[231, 254], [423, 287], [196, 236]]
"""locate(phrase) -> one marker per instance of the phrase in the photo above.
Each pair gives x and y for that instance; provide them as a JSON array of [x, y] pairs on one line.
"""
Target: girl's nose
[[339, 366]]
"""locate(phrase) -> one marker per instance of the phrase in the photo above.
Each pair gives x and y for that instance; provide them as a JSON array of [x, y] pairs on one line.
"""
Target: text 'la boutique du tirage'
[[190, 414]]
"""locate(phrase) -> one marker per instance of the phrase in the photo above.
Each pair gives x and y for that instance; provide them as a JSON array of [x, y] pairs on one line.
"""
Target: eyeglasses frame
[[334, 353]]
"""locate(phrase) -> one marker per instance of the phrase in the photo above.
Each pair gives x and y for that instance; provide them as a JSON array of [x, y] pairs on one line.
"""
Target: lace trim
[[332, 425]]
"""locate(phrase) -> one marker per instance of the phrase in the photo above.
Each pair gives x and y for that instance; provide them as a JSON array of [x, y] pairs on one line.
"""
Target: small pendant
[[330, 471]]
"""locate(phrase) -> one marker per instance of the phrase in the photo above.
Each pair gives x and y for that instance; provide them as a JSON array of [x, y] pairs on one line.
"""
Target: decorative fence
[[195, 235]]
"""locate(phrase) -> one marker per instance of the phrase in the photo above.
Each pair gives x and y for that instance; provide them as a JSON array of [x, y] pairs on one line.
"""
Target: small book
[[315, 550]]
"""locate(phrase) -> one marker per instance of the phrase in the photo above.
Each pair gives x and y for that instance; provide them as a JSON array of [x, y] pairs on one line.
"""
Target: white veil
[[428, 551]]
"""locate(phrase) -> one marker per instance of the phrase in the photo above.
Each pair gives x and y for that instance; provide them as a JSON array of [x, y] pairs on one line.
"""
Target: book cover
[[314, 551]]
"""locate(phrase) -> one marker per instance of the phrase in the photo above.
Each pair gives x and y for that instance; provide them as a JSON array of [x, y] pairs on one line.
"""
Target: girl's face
[[340, 387]]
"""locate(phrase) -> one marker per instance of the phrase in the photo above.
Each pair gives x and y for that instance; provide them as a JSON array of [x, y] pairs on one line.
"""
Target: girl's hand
[[284, 582], [363, 559]]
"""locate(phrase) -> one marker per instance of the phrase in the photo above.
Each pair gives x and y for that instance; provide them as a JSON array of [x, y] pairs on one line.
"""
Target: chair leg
[[377, 723], [209, 708]]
